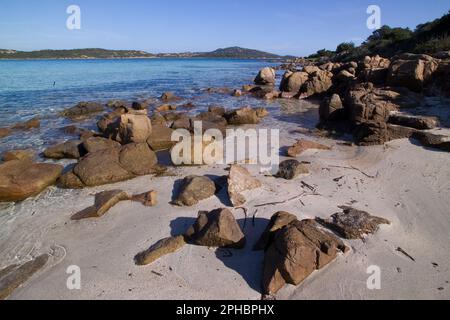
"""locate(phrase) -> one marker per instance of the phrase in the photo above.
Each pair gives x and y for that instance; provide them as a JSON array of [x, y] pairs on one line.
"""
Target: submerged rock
[[83, 109], [167, 96], [240, 180], [27, 125], [217, 228], [352, 223], [194, 189], [20, 179], [290, 169], [4, 132], [159, 249], [103, 202], [14, 276], [18, 155]]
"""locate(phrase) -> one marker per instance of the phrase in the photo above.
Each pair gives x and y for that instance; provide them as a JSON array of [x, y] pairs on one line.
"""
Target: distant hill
[[232, 52], [74, 54], [238, 52]]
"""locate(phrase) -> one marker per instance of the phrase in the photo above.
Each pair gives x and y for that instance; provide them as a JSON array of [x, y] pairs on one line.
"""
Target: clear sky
[[295, 27]]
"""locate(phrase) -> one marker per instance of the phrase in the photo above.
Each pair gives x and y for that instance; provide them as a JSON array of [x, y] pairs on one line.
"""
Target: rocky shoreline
[[366, 99]]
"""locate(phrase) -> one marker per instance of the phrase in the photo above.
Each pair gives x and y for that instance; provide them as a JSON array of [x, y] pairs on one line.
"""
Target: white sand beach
[[410, 187]]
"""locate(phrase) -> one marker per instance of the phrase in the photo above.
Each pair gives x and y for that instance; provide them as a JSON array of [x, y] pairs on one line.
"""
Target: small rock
[[302, 145], [195, 189], [242, 116], [148, 199], [240, 180], [217, 228], [290, 169], [166, 107], [167, 96], [103, 202], [159, 249], [352, 223]]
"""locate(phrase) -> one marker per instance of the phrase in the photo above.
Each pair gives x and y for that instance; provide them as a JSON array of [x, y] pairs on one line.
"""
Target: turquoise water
[[43, 88]]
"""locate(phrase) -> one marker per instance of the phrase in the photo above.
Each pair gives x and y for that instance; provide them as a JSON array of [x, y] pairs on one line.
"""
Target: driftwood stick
[[354, 168], [310, 187]]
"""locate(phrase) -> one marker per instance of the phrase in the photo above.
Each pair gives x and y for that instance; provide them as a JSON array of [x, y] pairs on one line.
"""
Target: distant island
[[94, 53]]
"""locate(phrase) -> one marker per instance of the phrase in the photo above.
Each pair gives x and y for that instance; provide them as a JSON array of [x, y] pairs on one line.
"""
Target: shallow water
[[43, 88]]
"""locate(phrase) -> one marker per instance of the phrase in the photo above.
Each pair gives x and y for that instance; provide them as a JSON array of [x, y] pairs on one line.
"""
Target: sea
[[43, 88]]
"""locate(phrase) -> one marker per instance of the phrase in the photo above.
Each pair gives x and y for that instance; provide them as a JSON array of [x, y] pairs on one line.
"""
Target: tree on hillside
[[345, 47]]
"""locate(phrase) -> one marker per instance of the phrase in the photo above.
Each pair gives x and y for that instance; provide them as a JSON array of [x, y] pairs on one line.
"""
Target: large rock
[[108, 124], [194, 189], [433, 140], [71, 149], [265, 76], [240, 180], [103, 202], [134, 128], [14, 276], [375, 133], [374, 69], [416, 122], [290, 169], [412, 71], [160, 138], [20, 179], [217, 228], [318, 83], [302, 145], [83, 109], [159, 249], [330, 108], [101, 167], [296, 251], [95, 144], [367, 103], [278, 221], [352, 223], [138, 159], [293, 81]]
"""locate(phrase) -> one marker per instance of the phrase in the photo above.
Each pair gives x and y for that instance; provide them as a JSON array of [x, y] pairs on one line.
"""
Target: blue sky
[[281, 26]]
